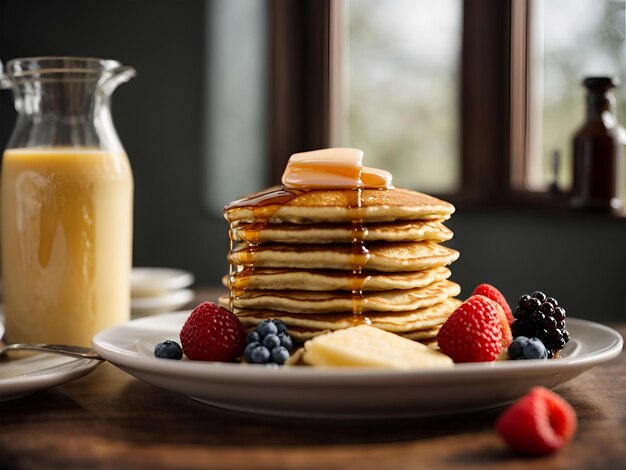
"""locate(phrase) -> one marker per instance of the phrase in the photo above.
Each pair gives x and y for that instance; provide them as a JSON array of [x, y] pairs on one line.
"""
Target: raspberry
[[494, 294], [212, 333], [539, 423], [473, 332]]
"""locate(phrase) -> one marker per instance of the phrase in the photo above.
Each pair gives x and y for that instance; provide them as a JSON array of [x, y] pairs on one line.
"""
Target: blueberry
[[285, 341], [516, 348], [280, 325], [271, 341], [253, 337], [247, 353], [535, 349], [539, 295], [266, 327], [280, 355], [260, 355], [168, 350]]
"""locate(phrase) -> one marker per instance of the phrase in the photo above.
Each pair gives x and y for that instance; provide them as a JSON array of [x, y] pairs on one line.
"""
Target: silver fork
[[63, 349]]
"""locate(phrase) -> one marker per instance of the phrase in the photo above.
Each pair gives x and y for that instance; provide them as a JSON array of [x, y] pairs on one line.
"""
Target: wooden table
[[109, 419]]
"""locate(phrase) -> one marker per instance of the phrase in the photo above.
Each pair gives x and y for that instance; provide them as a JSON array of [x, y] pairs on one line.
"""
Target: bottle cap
[[601, 83]]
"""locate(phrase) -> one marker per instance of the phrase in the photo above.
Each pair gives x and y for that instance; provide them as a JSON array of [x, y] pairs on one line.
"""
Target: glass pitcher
[[67, 197]]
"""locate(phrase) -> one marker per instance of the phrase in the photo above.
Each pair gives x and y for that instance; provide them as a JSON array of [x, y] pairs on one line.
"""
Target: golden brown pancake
[[418, 230], [278, 205], [331, 280], [387, 257], [305, 302], [419, 319]]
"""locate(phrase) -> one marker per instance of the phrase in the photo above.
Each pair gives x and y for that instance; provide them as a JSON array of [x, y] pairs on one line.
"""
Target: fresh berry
[[267, 327], [271, 341], [253, 337], [540, 317], [494, 294], [212, 333], [285, 341], [473, 332], [269, 344], [168, 350], [507, 337], [280, 355], [260, 355], [527, 348], [539, 423]]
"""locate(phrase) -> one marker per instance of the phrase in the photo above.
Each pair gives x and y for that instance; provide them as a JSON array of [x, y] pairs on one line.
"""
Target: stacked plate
[[159, 290], [325, 260]]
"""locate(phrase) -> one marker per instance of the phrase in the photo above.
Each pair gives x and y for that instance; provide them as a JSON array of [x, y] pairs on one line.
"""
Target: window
[[401, 83], [557, 43]]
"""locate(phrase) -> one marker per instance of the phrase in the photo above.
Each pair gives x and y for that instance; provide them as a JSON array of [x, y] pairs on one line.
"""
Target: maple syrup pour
[[263, 205]]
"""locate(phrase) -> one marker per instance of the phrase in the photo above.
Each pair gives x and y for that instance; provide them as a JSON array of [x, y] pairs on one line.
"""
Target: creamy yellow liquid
[[66, 243]]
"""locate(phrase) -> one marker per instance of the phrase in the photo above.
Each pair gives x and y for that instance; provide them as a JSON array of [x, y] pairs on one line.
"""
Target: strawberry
[[473, 332], [212, 333], [507, 337], [494, 294], [539, 423]]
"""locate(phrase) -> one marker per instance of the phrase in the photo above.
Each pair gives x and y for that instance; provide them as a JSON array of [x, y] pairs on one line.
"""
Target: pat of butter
[[333, 168], [368, 346]]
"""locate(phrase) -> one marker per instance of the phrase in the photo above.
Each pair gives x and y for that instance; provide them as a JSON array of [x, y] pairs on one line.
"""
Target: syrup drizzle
[[263, 206]]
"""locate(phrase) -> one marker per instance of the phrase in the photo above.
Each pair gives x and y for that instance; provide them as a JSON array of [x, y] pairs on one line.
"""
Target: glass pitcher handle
[[5, 83]]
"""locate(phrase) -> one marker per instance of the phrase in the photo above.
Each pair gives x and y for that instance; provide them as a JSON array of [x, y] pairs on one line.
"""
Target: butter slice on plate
[[368, 346]]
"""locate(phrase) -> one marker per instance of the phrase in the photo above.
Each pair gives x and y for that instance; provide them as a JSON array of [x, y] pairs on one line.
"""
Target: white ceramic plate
[[347, 392], [21, 376], [166, 302], [154, 281]]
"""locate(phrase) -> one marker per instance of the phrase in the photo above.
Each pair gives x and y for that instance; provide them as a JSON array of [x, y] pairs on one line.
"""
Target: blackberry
[[168, 350], [269, 344], [541, 319]]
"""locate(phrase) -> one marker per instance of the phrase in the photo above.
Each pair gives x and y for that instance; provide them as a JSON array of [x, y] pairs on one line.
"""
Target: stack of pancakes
[[329, 259]]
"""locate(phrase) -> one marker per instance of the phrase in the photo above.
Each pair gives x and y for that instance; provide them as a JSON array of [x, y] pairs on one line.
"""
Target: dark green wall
[[159, 116]]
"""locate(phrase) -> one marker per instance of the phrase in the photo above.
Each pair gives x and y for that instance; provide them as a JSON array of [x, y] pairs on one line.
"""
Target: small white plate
[[166, 302], [19, 377], [347, 392], [155, 281]]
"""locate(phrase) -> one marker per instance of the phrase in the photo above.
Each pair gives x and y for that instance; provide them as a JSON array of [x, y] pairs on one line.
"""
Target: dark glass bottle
[[598, 151]]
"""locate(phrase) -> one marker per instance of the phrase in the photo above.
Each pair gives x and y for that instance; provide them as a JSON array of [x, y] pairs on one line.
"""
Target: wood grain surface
[[109, 419]]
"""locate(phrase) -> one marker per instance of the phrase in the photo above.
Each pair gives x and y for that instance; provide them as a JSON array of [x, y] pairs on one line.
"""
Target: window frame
[[305, 95]]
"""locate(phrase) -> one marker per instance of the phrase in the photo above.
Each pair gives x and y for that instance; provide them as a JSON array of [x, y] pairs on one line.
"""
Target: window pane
[[401, 86], [570, 39]]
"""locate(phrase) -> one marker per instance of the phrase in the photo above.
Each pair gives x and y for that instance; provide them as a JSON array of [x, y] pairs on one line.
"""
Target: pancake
[[341, 233], [387, 257], [278, 205], [310, 302], [419, 319], [329, 280], [426, 336]]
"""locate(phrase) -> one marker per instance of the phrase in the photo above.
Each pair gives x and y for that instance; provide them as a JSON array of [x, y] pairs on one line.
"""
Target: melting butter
[[333, 168]]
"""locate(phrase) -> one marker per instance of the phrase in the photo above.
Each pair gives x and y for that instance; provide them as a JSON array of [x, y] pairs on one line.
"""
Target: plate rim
[[127, 359]]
